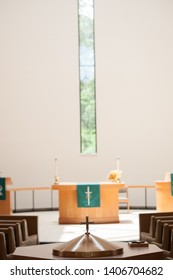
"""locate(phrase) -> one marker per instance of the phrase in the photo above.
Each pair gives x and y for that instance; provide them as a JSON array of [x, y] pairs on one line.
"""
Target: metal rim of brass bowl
[[87, 246]]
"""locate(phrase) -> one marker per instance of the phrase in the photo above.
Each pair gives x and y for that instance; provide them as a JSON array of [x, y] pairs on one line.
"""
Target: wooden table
[[44, 252], [164, 199], [70, 213]]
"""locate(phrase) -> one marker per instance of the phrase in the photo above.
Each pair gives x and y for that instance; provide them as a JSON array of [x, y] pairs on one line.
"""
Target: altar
[[71, 213]]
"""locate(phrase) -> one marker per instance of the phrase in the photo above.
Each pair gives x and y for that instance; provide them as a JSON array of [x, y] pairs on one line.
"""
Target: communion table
[[164, 198], [70, 213]]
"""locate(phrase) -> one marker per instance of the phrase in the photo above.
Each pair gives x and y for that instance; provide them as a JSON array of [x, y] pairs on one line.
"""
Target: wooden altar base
[[70, 213]]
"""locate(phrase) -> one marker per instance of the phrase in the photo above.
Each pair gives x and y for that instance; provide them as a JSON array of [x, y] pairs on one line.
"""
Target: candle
[[56, 172], [56, 167], [118, 163]]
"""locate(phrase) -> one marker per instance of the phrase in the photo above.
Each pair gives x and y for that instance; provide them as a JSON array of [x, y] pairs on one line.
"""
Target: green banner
[[88, 195], [171, 183], [2, 189]]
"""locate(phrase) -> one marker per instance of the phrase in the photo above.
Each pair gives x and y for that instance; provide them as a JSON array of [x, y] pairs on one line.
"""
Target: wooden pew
[[159, 230], [21, 222], [167, 241], [154, 232], [17, 231], [7, 243], [3, 248], [171, 246], [145, 221], [167, 231], [26, 239], [32, 226]]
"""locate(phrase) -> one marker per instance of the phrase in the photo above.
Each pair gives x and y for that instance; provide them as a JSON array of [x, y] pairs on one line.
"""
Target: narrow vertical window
[[87, 77]]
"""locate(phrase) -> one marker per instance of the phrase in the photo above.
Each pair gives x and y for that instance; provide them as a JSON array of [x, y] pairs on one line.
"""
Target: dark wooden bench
[[168, 241], [154, 230], [145, 223], [17, 232], [31, 229], [27, 239], [167, 232], [7, 243], [159, 230], [3, 248]]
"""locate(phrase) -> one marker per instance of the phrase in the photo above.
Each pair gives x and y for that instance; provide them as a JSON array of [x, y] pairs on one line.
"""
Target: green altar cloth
[[88, 195], [171, 183], [2, 189]]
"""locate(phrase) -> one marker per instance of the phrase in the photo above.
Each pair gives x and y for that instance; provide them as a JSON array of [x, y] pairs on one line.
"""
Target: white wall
[[39, 91]]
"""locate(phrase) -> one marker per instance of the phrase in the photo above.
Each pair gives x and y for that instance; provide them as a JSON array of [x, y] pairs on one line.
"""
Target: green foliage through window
[[87, 77]]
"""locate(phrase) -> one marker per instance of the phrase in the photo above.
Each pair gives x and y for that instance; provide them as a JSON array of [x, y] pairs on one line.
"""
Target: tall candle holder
[[118, 163], [56, 172], [56, 180], [119, 173]]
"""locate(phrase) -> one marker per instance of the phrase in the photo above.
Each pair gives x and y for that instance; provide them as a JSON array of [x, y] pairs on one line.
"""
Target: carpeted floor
[[51, 231]]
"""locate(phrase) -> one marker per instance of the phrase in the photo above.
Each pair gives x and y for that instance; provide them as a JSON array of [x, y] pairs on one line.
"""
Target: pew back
[[145, 220], [159, 229], [17, 231], [23, 225], [10, 245], [166, 239], [32, 221]]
